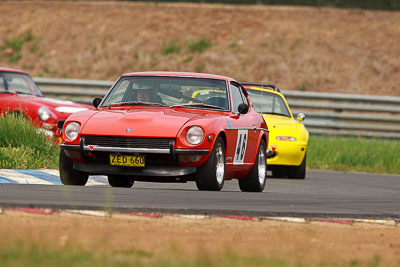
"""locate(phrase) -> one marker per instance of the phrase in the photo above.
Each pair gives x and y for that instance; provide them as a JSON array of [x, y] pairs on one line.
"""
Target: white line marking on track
[[43, 176], [21, 178]]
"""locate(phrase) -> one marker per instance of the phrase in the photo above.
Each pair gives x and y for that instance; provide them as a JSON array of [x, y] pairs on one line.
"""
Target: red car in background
[[168, 127], [20, 95]]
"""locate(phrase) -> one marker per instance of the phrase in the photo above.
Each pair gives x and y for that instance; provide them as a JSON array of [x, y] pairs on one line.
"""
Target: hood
[[60, 106], [148, 122], [284, 125]]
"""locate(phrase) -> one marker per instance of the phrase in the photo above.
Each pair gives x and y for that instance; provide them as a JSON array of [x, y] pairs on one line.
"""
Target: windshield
[[168, 91], [19, 83], [268, 103]]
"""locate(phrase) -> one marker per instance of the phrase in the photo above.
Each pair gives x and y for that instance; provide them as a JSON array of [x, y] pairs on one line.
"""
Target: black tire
[[298, 172], [68, 175], [120, 181], [256, 179], [211, 175]]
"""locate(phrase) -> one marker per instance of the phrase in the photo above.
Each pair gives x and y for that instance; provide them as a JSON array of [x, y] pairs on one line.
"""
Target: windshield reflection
[[268, 103], [169, 91]]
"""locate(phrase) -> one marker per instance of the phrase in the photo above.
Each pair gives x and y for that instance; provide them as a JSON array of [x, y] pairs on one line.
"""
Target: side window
[[18, 84], [238, 97], [2, 86]]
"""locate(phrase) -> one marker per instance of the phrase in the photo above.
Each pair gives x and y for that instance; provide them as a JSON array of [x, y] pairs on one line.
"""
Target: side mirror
[[96, 102], [243, 108], [301, 117]]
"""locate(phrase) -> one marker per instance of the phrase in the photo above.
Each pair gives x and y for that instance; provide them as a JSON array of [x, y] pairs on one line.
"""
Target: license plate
[[131, 161]]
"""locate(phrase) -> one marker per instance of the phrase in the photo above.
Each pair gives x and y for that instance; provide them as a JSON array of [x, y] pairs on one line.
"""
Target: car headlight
[[71, 130], [195, 135], [286, 138], [44, 113]]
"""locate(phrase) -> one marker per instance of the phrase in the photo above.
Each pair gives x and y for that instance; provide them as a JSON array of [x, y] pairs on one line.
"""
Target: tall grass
[[22, 146], [31, 254], [354, 154]]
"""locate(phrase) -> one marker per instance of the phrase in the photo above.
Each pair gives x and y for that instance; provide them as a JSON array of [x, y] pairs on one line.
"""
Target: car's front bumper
[[158, 171], [286, 153], [160, 162], [171, 150]]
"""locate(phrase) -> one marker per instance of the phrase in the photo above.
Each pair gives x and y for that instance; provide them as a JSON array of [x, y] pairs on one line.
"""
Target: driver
[[143, 95], [147, 93]]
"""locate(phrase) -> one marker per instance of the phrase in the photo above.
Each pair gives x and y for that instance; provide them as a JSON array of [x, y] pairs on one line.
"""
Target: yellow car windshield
[[268, 103]]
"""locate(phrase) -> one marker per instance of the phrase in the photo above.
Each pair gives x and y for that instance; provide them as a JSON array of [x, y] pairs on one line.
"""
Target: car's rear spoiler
[[262, 85]]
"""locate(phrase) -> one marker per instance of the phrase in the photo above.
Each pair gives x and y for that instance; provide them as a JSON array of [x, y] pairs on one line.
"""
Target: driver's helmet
[[144, 92]]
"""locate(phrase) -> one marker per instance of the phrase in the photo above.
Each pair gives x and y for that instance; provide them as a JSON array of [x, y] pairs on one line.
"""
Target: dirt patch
[[297, 48], [189, 238]]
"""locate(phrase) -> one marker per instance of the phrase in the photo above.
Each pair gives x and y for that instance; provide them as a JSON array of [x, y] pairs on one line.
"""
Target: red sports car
[[20, 95], [168, 127]]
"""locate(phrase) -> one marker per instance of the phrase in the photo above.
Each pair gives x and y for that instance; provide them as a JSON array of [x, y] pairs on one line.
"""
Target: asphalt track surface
[[322, 194]]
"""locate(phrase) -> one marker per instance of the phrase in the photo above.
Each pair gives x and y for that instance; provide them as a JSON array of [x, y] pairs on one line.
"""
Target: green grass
[[354, 154], [170, 48], [14, 43], [31, 254], [69, 257], [188, 59], [22, 146], [14, 58], [200, 45]]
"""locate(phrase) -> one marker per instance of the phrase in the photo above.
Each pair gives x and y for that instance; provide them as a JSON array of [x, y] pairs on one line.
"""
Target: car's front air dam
[[105, 169]]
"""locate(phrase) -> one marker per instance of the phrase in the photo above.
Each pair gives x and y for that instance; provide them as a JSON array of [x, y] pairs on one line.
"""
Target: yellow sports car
[[288, 137]]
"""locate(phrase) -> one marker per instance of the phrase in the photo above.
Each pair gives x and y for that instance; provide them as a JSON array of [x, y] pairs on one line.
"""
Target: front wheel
[[211, 175], [68, 175], [255, 180], [298, 172], [120, 181]]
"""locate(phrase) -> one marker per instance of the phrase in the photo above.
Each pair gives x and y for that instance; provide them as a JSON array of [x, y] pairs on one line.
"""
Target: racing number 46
[[241, 145]]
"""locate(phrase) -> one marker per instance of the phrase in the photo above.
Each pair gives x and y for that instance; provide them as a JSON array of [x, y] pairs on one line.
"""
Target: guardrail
[[328, 114]]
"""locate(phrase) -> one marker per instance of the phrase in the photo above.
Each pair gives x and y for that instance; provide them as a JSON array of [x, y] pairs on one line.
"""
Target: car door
[[242, 133]]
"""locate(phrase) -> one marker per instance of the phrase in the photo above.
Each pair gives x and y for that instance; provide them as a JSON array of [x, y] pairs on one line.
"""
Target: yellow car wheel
[[295, 172], [298, 172]]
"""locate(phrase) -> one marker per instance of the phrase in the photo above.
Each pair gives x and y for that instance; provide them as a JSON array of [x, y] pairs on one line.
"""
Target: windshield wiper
[[135, 103], [197, 105]]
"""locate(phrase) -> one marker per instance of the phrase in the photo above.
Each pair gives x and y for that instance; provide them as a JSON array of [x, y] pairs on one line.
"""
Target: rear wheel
[[298, 172], [120, 181], [255, 180], [211, 175], [68, 175]]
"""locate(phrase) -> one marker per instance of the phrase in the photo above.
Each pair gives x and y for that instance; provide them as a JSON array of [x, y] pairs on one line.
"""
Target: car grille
[[128, 142]]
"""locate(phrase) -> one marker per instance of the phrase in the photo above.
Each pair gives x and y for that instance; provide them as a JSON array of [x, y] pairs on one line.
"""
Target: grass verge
[[354, 154], [22, 146], [29, 254]]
